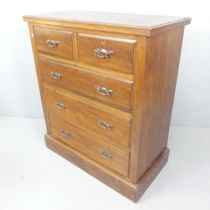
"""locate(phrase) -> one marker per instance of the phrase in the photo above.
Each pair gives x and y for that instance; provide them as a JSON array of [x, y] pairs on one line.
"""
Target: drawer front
[[99, 120], [107, 52], [54, 42], [98, 86], [90, 145]]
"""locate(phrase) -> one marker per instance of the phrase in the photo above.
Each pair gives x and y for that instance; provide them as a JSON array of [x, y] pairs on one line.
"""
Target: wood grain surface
[[118, 132], [85, 82]]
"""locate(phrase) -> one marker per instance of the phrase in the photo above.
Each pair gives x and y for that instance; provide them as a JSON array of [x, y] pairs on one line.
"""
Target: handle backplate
[[52, 43], [60, 105], [104, 125], [65, 133], [103, 53], [56, 75], [105, 154], [104, 91]]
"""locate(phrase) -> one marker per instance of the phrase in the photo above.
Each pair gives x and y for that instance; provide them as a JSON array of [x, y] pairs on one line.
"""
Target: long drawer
[[90, 145], [99, 86], [108, 123]]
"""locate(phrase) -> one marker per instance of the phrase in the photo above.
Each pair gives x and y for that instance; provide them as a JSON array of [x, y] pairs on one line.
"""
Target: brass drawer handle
[[103, 53], [56, 75], [60, 105], [52, 43], [104, 125], [65, 133], [105, 154], [104, 91]]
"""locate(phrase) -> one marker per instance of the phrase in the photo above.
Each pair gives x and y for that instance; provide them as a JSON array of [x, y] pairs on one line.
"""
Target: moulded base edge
[[132, 191]]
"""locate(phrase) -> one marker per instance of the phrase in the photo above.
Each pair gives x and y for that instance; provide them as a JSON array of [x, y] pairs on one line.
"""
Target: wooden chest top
[[125, 23]]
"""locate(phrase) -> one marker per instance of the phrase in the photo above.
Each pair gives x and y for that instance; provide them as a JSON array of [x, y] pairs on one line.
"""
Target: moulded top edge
[[134, 23]]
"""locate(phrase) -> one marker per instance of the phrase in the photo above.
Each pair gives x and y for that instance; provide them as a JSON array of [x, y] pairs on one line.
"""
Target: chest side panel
[[153, 98]]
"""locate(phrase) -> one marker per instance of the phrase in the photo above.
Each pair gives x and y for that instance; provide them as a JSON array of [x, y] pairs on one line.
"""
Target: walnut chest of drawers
[[107, 84]]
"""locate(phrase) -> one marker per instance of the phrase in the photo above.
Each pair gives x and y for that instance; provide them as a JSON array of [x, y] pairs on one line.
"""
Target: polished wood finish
[[154, 114], [138, 24], [125, 187], [86, 82], [64, 49], [108, 91], [90, 145], [121, 59], [85, 114]]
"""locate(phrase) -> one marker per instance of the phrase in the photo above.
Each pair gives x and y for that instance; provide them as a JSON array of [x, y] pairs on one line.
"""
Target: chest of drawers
[[107, 84]]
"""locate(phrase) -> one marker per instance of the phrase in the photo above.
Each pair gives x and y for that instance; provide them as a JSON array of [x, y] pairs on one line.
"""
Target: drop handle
[[52, 43], [56, 75], [60, 105], [65, 133], [104, 125], [104, 91], [105, 154], [103, 53]]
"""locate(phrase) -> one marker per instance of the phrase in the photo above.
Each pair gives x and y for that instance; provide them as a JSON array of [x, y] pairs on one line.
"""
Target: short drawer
[[90, 145], [99, 86], [106, 122], [54, 42], [106, 52]]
